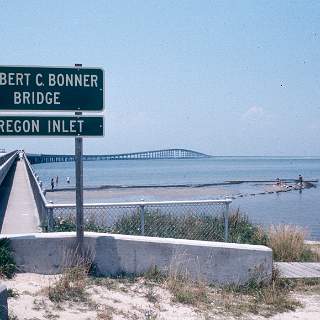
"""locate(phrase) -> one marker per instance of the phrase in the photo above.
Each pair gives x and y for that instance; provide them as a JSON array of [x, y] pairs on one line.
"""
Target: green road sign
[[50, 88], [51, 126]]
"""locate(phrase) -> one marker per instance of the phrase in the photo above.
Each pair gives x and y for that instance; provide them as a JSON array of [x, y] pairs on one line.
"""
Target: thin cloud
[[253, 113]]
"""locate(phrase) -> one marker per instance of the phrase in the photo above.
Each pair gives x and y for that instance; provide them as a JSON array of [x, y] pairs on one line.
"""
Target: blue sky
[[221, 77]]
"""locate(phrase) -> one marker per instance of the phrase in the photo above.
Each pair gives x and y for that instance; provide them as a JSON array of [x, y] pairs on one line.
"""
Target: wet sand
[[137, 194], [127, 194]]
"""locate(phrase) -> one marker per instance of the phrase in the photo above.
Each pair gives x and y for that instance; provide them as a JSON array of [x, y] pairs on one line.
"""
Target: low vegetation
[[71, 284], [288, 244], [66, 224], [255, 297], [187, 291], [7, 264], [266, 298], [194, 227]]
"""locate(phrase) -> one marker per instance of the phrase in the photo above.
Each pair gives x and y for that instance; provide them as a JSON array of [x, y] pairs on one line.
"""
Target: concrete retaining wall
[[213, 262]]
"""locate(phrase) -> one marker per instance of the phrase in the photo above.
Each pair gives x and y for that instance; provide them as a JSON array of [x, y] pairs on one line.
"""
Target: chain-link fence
[[198, 220]]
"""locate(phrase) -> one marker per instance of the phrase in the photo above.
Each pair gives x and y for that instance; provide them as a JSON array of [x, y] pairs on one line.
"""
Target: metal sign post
[[79, 192], [79, 186]]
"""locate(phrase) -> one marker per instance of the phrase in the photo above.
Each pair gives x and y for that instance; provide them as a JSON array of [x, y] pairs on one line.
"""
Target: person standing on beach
[[52, 183]]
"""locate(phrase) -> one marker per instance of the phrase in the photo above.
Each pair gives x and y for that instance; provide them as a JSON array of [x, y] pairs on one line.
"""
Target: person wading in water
[[300, 181]]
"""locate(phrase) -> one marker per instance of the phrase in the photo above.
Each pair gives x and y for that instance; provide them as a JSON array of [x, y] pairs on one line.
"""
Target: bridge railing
[[40, 199], [6, 156], [197, 220], [6, 162]]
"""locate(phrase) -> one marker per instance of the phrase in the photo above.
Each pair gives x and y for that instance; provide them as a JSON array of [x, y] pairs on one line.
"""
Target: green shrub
[[68, 224], [63, 225], [195, 227], [241, 230], [7, 264]]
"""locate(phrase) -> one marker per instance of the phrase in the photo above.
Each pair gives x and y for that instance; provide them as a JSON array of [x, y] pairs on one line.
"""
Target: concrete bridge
[[144, 155]]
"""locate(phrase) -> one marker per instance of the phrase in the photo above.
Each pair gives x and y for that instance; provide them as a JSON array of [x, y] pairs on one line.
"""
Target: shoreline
[[307, 184], [173, 192]]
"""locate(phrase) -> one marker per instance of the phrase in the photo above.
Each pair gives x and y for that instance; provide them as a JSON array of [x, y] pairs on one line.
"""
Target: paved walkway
[[21, 215], [297, 270]]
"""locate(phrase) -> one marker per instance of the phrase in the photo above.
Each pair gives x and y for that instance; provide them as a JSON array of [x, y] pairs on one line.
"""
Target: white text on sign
[[33, 126], [39, 80]]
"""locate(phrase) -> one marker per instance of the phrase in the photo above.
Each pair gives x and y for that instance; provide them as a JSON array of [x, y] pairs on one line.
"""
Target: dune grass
[[288, 244]]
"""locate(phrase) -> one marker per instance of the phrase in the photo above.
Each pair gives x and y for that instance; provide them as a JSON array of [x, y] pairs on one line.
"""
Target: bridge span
[[144, 155]]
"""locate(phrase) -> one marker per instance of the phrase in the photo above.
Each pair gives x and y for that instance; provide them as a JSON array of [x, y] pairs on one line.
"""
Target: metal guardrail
[[6, 162], [201, 220]]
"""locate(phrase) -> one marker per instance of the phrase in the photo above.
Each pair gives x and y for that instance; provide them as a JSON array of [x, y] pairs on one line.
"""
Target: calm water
[[291, 207]]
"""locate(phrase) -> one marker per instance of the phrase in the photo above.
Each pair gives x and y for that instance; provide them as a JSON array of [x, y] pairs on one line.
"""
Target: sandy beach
[[122, 300]]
